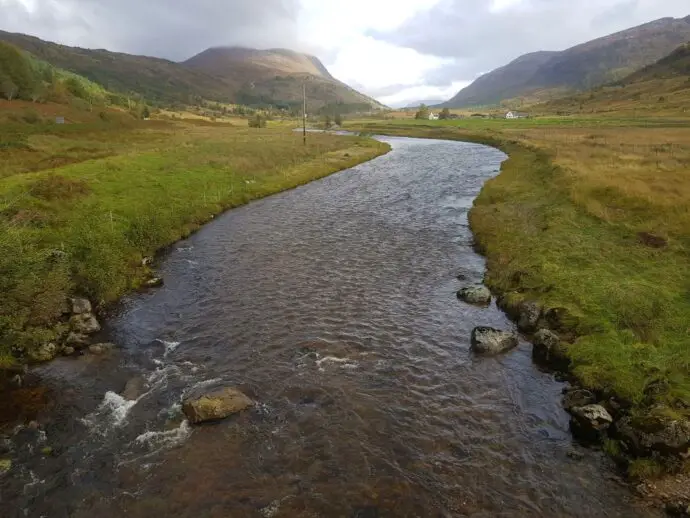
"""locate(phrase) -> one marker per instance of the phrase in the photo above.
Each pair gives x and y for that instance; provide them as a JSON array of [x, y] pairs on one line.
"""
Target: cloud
[[173, 29]]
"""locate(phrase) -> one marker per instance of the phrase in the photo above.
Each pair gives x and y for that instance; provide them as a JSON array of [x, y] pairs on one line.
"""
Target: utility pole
[[304, 112]]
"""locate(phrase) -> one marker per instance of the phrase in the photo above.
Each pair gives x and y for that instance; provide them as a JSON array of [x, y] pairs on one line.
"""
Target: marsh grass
[[560, 225], [84, 227]]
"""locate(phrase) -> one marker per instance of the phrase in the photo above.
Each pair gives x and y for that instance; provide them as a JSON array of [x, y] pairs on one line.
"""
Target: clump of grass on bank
[[562, 223], [84, 227]]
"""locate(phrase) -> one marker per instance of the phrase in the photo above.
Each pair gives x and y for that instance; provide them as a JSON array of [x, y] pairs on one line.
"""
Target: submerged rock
[[530, 312], [475, 295], [85, 324], [215, 405], [80, 306], [590, 422], [486, 340], [134, 388], [101, 348], [43, 353]]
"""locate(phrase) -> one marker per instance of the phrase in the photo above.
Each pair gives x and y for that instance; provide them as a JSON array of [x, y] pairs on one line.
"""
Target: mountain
[[503, 83], [239, 75], [277, 76], [156, 79], [544, 75], [662, 88]]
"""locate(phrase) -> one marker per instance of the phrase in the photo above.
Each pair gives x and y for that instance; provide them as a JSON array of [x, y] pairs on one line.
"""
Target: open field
[[82, 204], [594, 216]]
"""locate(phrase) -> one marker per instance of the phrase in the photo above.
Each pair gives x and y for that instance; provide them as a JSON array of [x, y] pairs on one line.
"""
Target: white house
[[433, 116], [516, 115]]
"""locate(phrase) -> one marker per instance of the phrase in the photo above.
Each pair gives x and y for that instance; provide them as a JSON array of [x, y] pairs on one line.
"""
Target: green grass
[[84, 228], [559, 225]]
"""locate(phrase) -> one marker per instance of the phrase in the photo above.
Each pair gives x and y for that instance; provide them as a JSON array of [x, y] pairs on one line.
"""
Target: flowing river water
[[333, 306]]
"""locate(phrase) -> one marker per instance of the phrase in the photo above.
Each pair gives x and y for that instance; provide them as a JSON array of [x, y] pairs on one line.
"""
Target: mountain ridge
[[223, 74], [577, 68]]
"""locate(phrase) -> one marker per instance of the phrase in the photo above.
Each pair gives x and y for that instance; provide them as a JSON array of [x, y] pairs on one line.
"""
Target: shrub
[[258, 121]]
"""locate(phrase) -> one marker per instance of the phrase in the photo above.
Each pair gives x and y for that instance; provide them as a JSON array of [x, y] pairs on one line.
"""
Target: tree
[[328, 122], [7, 88], [422, 113], [445, 114], [145, 112], [338, 119]]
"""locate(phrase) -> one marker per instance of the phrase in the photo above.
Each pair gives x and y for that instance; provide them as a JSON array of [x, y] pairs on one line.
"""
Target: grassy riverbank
[[82, 204], [594, 218]]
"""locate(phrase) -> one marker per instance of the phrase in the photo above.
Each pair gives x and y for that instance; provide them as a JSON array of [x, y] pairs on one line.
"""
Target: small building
[[516, 115], [433, 116], [59, 120]]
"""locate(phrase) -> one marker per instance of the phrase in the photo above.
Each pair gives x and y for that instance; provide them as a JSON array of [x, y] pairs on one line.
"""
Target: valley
[[166, 229]]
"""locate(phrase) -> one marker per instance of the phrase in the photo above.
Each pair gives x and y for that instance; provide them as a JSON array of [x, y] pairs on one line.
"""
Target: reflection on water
[[333, 306]]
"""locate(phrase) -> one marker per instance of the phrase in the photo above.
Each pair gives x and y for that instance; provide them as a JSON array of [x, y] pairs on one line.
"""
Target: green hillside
[[24, 77]]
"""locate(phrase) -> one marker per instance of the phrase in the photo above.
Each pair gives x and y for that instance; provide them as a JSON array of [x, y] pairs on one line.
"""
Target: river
[[333, 306]]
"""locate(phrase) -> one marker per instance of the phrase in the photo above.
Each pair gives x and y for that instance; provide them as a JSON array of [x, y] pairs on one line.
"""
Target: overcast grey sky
[[395, 50]]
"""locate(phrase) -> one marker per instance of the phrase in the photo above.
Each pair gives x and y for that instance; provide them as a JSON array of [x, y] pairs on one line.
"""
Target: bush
[[258, 121], [31, 117]]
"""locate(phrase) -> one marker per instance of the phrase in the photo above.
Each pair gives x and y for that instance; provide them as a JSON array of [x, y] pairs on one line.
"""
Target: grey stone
[[529, 316], [85, 324], [578, 398], [590, 422], [665, 436], [43, 353], [68, 351], [81, 306], [475, 295], [486, 340], [77, 340], [215, 405], [545, 346], [154, 282]]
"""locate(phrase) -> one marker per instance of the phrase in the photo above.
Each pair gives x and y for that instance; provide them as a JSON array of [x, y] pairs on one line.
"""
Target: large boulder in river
[[486, 340], [590, 422], [85, 324], [215, 405], [479, 295]]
